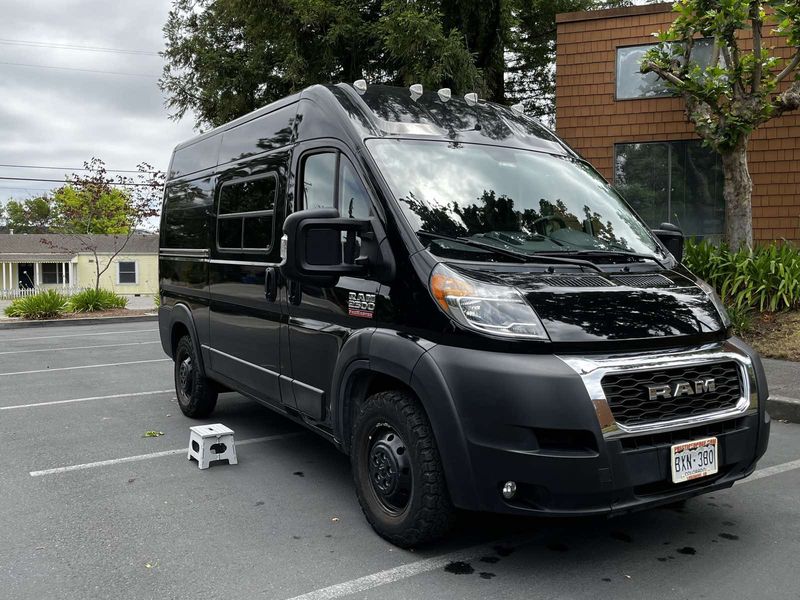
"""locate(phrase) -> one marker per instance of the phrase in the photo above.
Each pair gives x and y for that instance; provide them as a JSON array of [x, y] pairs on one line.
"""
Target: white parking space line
[[69, 335], [55, 402], [768, 471], [380, 578], [79, 347], [130, 362], [139, 457]]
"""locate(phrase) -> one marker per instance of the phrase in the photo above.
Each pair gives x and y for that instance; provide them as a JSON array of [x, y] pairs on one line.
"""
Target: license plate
[[692, 460]]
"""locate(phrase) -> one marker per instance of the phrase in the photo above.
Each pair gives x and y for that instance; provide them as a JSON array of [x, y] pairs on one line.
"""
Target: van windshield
[[516, 200]]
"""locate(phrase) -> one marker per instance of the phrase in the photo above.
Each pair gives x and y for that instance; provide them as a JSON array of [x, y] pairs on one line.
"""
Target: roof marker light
[[518, 108], [471, 98], [416, 91], [360, 86], [444, 94]]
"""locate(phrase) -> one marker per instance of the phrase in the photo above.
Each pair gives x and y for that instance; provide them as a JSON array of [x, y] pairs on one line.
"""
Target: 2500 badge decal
[[361, 305]]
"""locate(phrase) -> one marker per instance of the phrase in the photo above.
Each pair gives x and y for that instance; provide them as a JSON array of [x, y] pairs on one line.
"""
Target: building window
[[126, 271], [245, 214], [55, 273], [679, 182], [632, 83]]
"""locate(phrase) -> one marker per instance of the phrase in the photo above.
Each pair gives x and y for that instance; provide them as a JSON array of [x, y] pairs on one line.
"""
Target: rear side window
[[186, 215], [245, 214], [331, 181]]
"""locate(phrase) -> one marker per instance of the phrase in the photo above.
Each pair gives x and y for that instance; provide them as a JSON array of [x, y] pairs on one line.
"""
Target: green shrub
[[157, 299], [766, 278], [92, 300], [44, 305]]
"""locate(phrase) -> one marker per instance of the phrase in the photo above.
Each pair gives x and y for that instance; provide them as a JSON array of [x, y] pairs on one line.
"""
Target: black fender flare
[[406, 359], [180, 313]]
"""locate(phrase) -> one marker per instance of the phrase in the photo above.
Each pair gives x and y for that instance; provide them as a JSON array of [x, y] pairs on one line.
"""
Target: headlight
[[717, 301], [487, 308]]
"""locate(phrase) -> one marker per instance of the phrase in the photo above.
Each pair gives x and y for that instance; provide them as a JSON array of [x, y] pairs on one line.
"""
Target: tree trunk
[[738, 194]]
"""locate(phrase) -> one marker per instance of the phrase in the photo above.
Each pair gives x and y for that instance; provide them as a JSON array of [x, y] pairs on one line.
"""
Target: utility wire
[[71, 168], [14, 64], [67, 182], [57, 46]]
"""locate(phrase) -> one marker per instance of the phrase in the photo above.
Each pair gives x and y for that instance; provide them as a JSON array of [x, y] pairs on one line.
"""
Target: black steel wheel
[[397, 470], [197, 395]]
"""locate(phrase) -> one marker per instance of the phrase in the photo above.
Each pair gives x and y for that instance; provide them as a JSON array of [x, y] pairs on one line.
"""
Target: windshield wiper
[[614, 253], [521, 256]]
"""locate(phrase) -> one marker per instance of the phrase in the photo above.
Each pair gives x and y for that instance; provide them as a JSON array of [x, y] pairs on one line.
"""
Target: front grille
[[628, 397]]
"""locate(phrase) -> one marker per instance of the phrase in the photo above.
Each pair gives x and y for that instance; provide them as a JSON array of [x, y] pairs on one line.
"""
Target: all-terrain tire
[[392, 433], [196, 394]]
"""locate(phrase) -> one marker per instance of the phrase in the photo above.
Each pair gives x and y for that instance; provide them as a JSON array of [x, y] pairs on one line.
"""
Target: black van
[[449, 294]]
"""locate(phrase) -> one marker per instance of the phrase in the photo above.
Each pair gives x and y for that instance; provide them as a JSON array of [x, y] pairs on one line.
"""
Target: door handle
[[271, 284], [295, 292]]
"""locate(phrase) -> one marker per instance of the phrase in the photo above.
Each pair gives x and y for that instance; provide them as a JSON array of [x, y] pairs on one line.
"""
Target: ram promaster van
[[452, 297]]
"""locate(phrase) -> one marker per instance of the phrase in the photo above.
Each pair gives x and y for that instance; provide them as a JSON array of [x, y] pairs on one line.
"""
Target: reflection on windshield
[[518, 199]]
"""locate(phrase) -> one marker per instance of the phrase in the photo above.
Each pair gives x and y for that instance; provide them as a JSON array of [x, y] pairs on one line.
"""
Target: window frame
[[337, 180], [59, 280], [135, 272], [243, 215]]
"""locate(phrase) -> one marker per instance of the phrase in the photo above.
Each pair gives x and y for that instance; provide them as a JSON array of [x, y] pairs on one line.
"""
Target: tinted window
[[245, 214], [200, 155], [319, 180], [353, 198], [186, 214], [248, 196]]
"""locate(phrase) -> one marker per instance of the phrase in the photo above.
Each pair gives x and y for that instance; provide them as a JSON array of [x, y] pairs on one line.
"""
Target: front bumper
[[540, 422]]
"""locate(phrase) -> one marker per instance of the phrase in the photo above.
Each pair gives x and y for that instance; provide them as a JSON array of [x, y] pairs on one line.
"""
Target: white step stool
[[211, 442]]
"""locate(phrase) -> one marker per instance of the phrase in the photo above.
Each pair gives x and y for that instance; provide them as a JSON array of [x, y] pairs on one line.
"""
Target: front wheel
[[196, 394], [397, 470]]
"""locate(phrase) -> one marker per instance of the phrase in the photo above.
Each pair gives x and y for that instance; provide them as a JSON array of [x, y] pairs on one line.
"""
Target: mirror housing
[[672, 237], [313, 250]]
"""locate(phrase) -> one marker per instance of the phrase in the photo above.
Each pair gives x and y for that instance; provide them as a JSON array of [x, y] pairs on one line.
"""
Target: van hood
[[592, 307]]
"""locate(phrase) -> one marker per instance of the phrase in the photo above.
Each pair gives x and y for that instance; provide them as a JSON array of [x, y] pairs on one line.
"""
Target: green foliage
[[87, 210], [737, 92], [766, 278], [44, 305], [157, 299], [33, 215], [225, 58], [92, 300]]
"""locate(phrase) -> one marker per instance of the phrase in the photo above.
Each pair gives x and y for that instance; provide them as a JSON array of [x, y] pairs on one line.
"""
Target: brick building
[[637, 135]]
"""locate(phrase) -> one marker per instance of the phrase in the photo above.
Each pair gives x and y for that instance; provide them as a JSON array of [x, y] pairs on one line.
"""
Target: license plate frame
[[694, 460]]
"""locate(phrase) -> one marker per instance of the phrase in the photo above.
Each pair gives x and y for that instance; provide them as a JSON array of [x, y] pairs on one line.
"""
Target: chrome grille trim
[[592, 370]]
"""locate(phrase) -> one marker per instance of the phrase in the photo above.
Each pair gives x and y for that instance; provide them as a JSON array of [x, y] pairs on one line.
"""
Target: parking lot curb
[[784, 409], [66, 322]]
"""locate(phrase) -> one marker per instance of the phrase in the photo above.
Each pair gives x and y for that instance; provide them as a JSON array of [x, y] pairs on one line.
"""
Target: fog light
[[509, 490]]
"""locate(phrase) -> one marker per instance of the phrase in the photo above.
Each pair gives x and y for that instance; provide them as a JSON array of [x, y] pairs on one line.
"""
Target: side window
[[319, 180], [186, 215], [245, 214], [353, 198]]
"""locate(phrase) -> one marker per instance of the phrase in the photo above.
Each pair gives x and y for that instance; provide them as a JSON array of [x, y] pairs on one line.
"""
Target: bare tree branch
[[789, 68]]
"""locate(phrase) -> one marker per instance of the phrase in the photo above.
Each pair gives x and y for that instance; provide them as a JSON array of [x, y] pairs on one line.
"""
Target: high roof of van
[[377, 111]]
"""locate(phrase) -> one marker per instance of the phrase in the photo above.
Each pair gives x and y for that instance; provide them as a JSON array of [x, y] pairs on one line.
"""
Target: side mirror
[[319, 247], [672, 237]]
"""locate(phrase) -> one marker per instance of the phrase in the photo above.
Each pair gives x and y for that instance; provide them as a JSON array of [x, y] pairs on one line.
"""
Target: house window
[[126, 271], [245, 214], [55, 273], [632, 83], [679, 182]]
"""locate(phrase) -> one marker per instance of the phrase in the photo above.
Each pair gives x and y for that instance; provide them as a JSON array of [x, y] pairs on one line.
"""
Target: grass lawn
[[776, 335]]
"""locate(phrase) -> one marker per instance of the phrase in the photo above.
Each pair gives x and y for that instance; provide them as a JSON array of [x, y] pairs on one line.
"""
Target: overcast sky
[[58, 117]]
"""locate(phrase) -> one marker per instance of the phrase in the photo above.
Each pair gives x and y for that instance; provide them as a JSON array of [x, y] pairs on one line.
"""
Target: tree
[[94, 203], [33, 215], [225, 58], [739, 91]]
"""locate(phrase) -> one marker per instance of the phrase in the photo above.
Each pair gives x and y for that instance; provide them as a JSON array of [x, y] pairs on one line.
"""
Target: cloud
[[60, 117]]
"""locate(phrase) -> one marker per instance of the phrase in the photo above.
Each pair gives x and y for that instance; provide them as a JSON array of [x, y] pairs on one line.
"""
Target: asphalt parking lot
[[91, 508]]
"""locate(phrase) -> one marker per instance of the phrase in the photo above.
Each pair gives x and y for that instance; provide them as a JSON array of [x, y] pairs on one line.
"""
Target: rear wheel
[[196, 394], [397, 470]]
